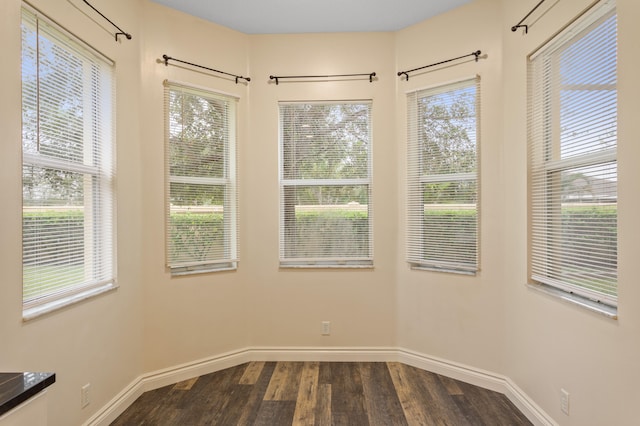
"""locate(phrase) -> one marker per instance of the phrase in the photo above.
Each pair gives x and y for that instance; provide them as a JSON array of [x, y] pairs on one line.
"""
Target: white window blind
[[325, 184], [442, 177], [201, 217], [572, 158], [68, 98]]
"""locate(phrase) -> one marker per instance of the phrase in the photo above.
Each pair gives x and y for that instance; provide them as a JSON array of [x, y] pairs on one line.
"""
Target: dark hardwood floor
[[322, 393]]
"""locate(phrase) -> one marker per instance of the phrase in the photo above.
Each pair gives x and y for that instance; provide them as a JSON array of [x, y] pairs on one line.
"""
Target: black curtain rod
[[122, 32], [278, 77], [406, 73], [521, 25], [168, 58]]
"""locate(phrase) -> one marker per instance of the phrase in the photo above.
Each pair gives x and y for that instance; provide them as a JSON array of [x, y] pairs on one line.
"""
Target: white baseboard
[[484, 379], [164, 377], [465, 373], [335, 354]]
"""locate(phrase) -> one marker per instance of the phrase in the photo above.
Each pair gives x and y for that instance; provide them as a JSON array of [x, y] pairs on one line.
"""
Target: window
[[442, 222], [201, 218], [68, 167], [572, 159], [325, 184]]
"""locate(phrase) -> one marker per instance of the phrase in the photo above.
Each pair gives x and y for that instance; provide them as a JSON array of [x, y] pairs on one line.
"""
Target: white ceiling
[[313, 16]]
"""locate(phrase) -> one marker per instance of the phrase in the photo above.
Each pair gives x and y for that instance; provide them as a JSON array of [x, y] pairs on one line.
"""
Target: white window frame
[[211, 262], [288, 261], [418, 242], [546, 165], [97, 168]]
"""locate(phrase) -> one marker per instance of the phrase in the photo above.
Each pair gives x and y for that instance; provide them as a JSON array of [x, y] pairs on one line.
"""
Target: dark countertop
[[16, 388]]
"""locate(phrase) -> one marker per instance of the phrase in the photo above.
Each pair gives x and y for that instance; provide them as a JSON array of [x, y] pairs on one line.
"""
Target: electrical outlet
[[326, 328], [564, 401], [85, 397]]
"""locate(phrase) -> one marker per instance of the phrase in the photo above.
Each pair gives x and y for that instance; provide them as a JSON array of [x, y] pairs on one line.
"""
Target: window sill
[[419, 267], [322, 265], [179, 271], [600, 308], [46, 308]]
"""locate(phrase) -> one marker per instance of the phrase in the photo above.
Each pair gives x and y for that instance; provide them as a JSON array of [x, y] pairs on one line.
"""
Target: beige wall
[[491, 321], [288, 305], [550, 344], [98, 341], [457, 317], [191, 317]]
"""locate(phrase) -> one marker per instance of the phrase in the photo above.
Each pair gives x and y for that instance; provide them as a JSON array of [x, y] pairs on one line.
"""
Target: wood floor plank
[[324, 377], [322, 415], [491, 407], [232, 411], [468, 411], [185, 384], [274, 413], [284, 382], [441, 405], [252, 373], [209, 396], [347, 395], [142, 409], [307, 394], [414, 411], [381, 400], [255, 398], [451, 385]]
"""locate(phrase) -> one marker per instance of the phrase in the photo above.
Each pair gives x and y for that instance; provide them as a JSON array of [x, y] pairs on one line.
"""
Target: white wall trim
[[157, 379], [335, 354], [483, 378], [465, 373]]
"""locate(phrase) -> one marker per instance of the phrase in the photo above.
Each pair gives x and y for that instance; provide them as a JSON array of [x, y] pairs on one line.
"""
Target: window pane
[[448, 131], [196, 223], [325, 141], [198, 135], [53, 231], [55, 79], [326, 222], [588, 95]]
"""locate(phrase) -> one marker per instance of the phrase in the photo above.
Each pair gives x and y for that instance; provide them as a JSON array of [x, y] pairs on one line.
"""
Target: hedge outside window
[[573, 159], [68, 97], [325, 184], [201, 217], [442, 222]]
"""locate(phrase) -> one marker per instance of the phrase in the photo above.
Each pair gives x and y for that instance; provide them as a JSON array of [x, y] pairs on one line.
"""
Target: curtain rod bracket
[[521, 25], [127, 35], [237, 77], [406, 73], [120, 30], [515, 28]]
